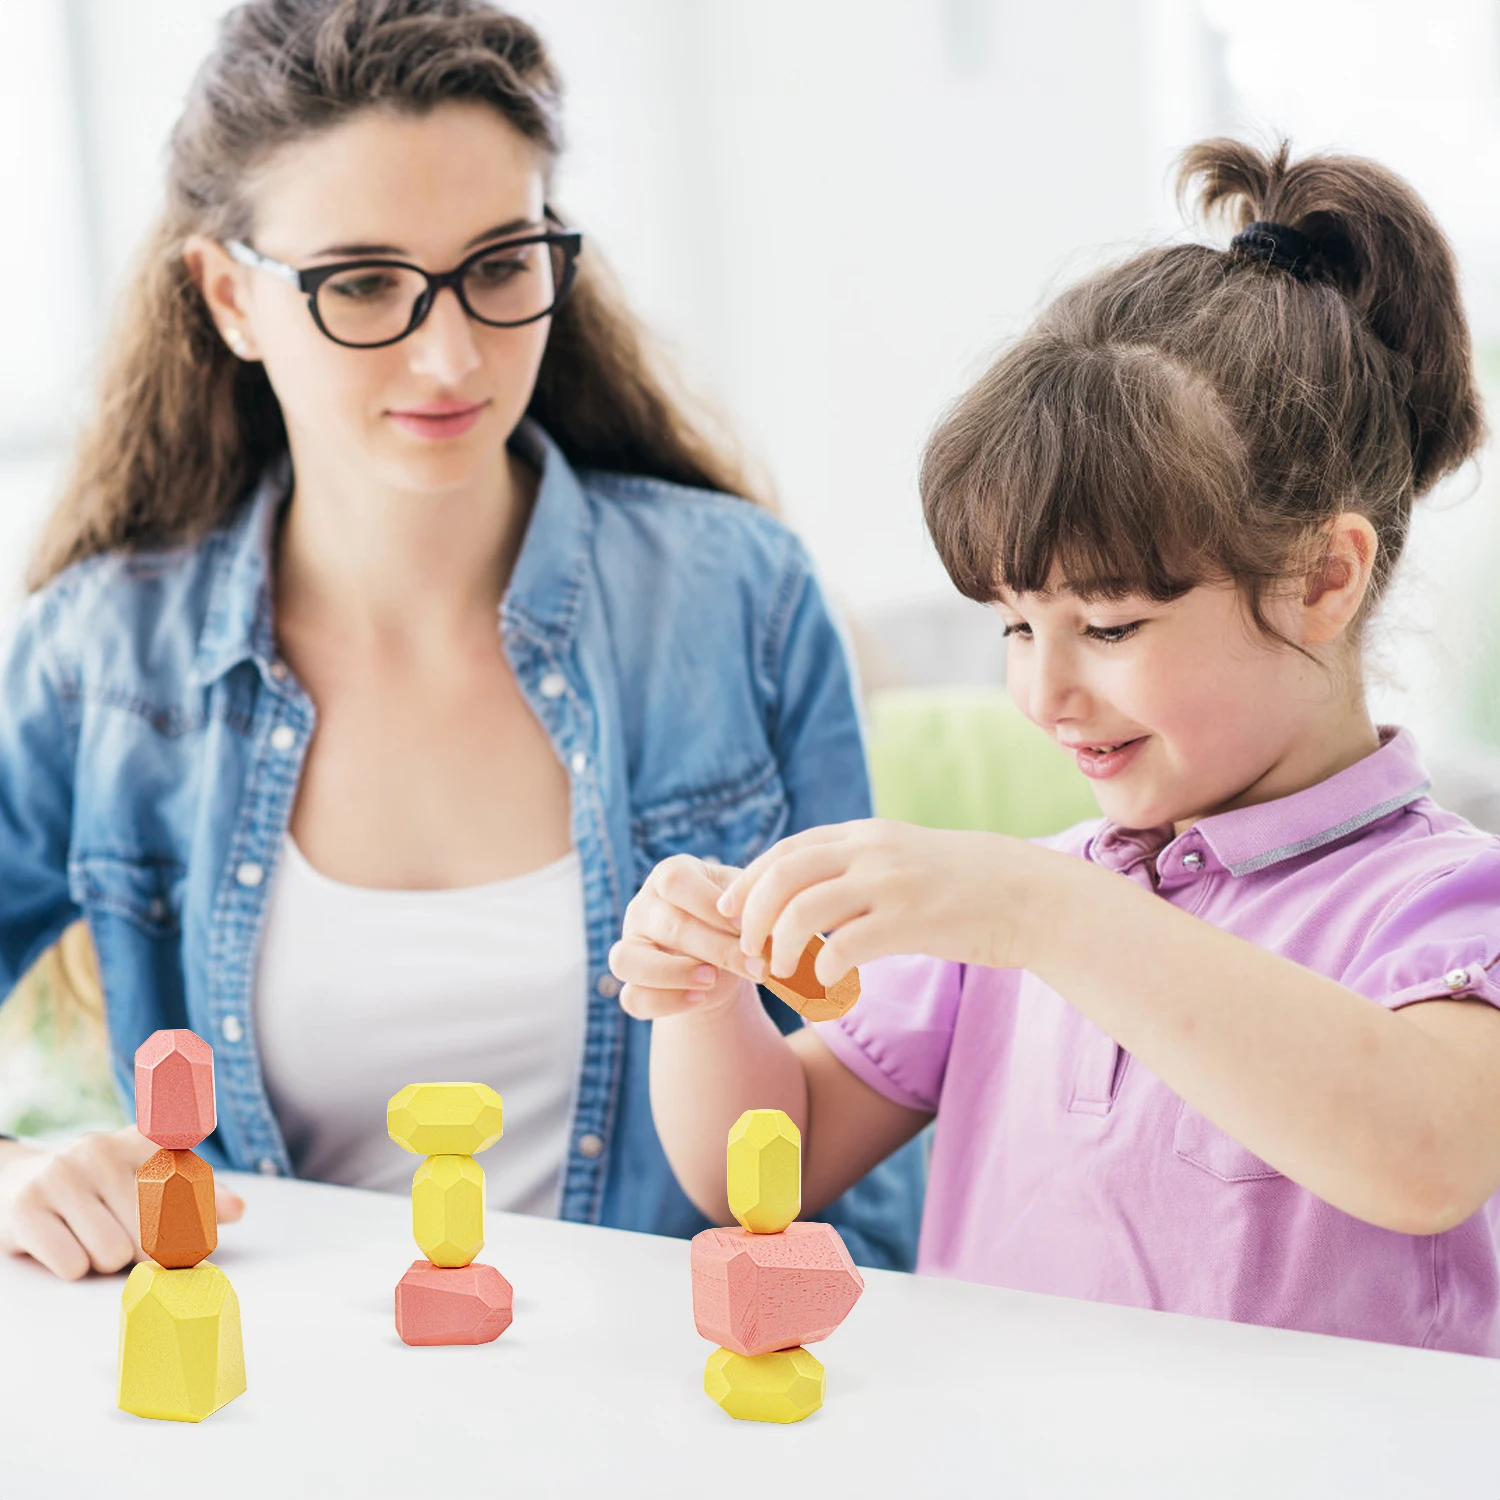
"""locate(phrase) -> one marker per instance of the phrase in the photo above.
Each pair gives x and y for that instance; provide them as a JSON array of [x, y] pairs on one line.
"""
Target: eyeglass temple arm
[[241, 252]]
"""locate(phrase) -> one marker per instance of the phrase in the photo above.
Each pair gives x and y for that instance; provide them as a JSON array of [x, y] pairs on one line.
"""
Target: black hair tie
[[1286, 249]]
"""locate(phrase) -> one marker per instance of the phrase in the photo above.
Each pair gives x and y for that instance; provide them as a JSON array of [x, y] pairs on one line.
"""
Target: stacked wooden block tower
[[449, 1298], [763, 1291], [180, 1352]]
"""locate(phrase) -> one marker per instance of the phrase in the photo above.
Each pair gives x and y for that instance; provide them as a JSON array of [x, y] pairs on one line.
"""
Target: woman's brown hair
[[1199, 414], [183, 427]]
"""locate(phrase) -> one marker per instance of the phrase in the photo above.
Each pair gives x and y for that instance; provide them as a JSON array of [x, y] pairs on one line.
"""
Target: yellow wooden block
[[765, 1170], [447, 1209], [445, 1119], [180, 1352], [781, 1387]]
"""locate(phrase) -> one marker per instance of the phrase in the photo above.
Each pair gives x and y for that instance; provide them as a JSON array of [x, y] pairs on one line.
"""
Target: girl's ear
[[1337, 585], [222, 283]]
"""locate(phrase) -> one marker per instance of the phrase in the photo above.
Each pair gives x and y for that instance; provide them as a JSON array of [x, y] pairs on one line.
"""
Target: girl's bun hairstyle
[[1198, 414]]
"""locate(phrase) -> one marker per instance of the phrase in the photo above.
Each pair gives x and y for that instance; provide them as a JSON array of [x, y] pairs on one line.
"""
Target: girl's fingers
[[857, 942], [676, 931], [111, 1172], [638, 963], [796, 871], [41, 1234], [826, 907], [229, 1208], [648, 1004], [732, 902]]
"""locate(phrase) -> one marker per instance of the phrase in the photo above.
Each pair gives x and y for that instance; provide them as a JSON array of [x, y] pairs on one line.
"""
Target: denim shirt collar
[[544, 597]]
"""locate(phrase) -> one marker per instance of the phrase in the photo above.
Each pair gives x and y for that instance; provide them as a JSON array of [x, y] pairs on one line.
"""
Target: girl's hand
[[76, 1209], [677, 953], [879, 887]]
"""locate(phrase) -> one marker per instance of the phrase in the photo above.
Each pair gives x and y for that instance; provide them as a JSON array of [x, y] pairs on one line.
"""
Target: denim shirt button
[[554, 685], [608, 986], [250, 874], [279, 671], [267, 1168], [283, 737], [580, 763], [590, 1146], [230, 1029]]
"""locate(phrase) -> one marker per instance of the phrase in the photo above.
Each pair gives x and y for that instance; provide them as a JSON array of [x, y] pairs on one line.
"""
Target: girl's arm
[[1390, 1115], [715, 1052]]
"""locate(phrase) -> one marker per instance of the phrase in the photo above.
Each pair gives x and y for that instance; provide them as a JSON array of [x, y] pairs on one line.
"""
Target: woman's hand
[[677, 953], [879, 887], [76, 1209]]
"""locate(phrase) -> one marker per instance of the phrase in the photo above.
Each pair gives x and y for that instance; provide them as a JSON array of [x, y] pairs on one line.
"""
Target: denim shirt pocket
[[1202, 1143], [728, 824], [146, 892]]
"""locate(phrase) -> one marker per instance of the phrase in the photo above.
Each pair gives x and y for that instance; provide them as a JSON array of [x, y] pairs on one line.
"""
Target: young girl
[[1231, 1050], [396, 622]]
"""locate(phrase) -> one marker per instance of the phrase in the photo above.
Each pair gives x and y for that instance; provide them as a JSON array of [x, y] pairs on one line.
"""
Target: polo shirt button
[[580, 763], [1456, 979], [590, 1146], [554, 685], [283, 737], [267, 1168], [250, 874], [1192, 860], [230, 1029], [608, 986]]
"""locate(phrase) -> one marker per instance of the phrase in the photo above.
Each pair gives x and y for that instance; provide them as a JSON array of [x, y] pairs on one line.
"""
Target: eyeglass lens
[[373, 304]]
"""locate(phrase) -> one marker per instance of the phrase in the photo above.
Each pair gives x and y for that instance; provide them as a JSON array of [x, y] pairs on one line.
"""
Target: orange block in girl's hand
[[806, 994], [174, 1089]]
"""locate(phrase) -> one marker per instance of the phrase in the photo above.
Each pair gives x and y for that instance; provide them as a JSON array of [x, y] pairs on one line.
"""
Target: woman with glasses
[[396, 621]]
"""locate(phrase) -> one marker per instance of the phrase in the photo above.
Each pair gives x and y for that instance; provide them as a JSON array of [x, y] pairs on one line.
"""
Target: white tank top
[[361, 991]]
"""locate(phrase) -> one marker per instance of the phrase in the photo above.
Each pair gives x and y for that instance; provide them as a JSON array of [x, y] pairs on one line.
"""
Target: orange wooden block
[[803, 992], [178, 1224], [174, 1089], [463, 1305], [753, 1293]]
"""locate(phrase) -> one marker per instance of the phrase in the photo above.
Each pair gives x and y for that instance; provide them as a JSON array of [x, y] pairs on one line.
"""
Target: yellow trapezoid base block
[[445, 1119], [447, 1209], [765, 1170], [181, 1358], [781, 1387]]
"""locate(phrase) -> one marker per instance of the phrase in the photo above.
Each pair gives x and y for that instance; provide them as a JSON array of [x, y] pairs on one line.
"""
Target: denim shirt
[[673, 643]]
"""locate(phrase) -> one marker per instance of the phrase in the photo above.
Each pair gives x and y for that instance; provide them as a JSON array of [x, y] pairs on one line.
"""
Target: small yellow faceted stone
[[781, 1387], [765, 1170], [445, 1119], [447, 1209], [181, 1358]]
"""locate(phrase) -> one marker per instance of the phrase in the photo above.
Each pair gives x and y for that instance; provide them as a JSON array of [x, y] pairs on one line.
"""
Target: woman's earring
[[236, 341]]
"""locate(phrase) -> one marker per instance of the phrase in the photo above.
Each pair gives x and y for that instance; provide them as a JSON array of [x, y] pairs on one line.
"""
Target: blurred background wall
[[835, 210]]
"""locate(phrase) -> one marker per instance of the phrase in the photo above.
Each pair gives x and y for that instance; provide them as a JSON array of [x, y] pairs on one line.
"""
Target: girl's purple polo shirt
[[1061, 1165]]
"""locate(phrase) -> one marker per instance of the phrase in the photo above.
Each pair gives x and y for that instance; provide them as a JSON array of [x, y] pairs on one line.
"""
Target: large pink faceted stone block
[[174, 1089], [754, 1293], [452, 1305]]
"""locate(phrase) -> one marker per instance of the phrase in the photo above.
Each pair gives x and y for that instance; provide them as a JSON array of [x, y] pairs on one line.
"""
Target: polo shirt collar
[[1248, 839]]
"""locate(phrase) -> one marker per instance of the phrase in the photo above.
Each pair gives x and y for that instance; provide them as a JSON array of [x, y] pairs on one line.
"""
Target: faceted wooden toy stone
[[179, 1226], [471, 1305], [806, 994], [765, 1170], [445, 1119], [754, 1293], [447, 1209], [180, 1353], [782, 1387], [174, 1089]]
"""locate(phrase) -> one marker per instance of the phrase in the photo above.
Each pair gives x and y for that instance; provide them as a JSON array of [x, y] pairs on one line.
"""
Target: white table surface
[[934, 1388]]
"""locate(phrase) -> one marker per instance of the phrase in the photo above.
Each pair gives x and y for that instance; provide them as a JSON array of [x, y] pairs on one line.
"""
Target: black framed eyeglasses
[[367, 304]]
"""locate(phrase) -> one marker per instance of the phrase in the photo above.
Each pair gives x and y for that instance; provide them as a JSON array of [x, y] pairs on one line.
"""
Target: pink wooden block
[[753, 1293], [174, 1089], [463, 1305]]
